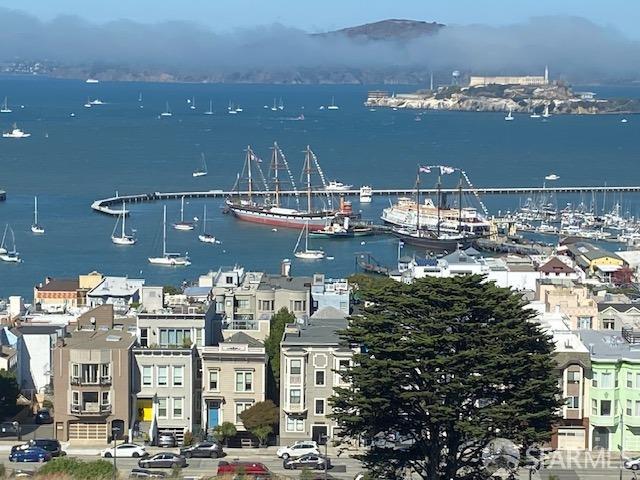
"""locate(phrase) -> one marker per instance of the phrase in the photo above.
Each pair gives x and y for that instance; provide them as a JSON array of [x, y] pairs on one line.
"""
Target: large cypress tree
[[447, 366]]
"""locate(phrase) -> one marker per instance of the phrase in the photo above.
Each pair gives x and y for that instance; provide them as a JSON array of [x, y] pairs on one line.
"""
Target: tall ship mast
[[259, 199]]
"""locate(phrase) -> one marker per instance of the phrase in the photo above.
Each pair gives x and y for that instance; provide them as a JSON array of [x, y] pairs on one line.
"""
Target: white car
[[632, 463], [298, 449], [126, 450]]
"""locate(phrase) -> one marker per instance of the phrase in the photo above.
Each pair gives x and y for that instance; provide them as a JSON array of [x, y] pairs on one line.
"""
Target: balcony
[[604, 420], [84, 381], [295, 408], [90, 409]]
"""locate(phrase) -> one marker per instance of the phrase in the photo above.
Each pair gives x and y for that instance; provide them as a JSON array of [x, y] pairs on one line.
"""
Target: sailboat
[[546, 113], [3, 249], [5, 107], [534, 114], [307, 254], [182, 225], [333, 105], [509, 117], [123, 239], [205, 237], [201, 172], [11, 256], [210, 111], [168, 259], [35, 228], [88, 103], [231, 109], [274, 108], [193, 103], [167, 111], [281, 105]]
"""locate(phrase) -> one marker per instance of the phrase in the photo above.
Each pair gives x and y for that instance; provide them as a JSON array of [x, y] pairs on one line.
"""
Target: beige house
[[233, 379], [91, 378], [573, 300]]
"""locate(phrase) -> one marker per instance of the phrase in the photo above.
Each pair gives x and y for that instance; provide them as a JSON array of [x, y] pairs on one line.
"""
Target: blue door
[[214, 415]]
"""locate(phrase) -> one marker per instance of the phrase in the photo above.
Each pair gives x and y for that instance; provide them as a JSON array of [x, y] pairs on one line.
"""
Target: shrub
[[187, 439], [224, 432], [47, 404], [78, 469]]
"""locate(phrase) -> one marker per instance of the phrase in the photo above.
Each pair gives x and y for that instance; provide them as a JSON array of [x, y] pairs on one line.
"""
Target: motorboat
[[92, 80], [16, 133], [366, 193], [335, 186], [552, 177]]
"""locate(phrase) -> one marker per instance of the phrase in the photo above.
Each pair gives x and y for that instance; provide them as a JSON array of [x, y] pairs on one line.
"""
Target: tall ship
[[259, 198], [442, 224]]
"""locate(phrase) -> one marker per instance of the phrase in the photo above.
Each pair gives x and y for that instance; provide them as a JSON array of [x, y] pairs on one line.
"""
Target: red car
[[253, 470]]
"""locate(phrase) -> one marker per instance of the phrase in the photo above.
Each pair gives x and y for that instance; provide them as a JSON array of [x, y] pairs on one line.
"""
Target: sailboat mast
[[276, 167], [182, 210], [307, 166], [438, 203], [204, 219], [460, 204], [418, 202], [164, 232], [123, 219], [249, 155], [35, 210]]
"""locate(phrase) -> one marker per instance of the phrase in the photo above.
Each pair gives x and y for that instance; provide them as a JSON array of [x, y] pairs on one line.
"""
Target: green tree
[[260, 419], [171, 290], [272, 344], [224, 432], [447, 366], [9, 392]]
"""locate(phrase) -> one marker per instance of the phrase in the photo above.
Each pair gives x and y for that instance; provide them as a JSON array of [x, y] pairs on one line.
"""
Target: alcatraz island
[[534, 94]]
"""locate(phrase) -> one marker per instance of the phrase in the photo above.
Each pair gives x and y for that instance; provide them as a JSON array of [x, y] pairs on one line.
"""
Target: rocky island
[[524, 97]]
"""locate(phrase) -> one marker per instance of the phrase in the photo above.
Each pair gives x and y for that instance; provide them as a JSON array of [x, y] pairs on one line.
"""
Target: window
[[573, 377], [147, 379], [200, 337], [629, 380], [319, 406], [75, 398], [294, 424], [213, 380], [629, 411], [178, 376], [242, 304], [637, 410], [241, 407], [295, 396], [174, 337], [177, 407], [573, 402], [343, 365], [320, 378], [594, 407], [266, 305], [605, 380], [162, 376], [299, 305], [162, 407], [229, 279], [584, 323], [104, 371], [605, 408], [105, 398], [296, 367], [608, 324], [594, 382], [75, 370], [244, 381], [144, 337]]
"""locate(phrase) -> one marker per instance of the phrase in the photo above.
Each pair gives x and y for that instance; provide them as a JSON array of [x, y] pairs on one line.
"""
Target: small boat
[[300, 117], [9, 255], [201, 172], [140, 97], [546, 113], [280, 105], [417, 118], [365, 194], [167, 111], [274, 108], [534, 114], [15, 133], [333, 105], [3, 249], [123, 239], [193, 103], [372, 109], [205, 237], [168, 259], [210, 111], [97, 101], [321, 107], [92, 80], [509, 116], [88, 103], [307, 254], [5, 107], [552, 176], [238, 109], [231, 109], [182, 225], [624, 120], [335, 186], [35, 228]]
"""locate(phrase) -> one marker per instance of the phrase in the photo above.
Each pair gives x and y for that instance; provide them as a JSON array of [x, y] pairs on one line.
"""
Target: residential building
[[120, 292], [151, 299], [58, 295], [594, 260], [8, 359], [571, 299], [92, 378], [329, 292], [560, 269], [34, 344], [311, 358], [233, 379], [171, 328]]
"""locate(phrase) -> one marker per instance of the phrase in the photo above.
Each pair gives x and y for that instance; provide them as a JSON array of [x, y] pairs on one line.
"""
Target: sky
[[323, 15]]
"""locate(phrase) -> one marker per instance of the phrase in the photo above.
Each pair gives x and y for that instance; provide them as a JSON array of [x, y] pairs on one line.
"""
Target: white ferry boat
[[335, 186], [16, 133]]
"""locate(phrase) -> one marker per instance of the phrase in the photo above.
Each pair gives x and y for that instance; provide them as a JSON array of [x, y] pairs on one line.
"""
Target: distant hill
[[392, 29]]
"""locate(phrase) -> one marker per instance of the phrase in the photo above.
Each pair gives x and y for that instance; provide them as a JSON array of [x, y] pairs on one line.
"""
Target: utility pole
[[114, 433]]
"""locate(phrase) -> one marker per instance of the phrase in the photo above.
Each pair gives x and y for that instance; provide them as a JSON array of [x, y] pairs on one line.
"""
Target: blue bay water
[[71, 161]]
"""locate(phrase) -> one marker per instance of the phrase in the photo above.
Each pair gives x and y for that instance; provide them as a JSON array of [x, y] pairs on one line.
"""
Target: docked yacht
[[365, 194], [335, 186]]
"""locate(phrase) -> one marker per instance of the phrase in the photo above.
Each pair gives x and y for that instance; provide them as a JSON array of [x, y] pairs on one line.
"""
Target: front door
[[145, 410], [600, 438], [319, 434], [213, 416]]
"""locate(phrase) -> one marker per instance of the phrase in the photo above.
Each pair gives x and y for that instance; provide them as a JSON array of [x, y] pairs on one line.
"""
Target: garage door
[[570, 439], [87, 431]]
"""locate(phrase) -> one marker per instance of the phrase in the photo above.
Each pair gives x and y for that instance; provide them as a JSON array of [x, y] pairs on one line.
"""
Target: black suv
[[43, 416], [203, 449]]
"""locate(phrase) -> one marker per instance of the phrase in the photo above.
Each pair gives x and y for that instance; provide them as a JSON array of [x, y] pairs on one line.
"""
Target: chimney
[[285, 267]]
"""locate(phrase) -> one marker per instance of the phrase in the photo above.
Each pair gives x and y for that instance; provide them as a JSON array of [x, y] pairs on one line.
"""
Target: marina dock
[[112, 205]]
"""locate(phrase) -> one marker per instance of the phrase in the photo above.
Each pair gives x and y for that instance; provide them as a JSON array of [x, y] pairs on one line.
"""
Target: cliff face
[[560, 99]]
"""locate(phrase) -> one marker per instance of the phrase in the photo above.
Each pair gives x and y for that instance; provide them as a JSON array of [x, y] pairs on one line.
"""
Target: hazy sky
[[321, 15]]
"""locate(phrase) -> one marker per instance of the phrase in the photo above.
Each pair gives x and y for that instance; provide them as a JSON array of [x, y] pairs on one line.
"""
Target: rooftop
[[320, 329], [243, 338], [116, 287], [555, 265], [271, 282], [108, 339], [609, 345], [59, 285]]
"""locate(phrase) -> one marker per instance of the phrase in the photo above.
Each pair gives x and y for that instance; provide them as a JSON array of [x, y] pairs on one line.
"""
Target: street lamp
[[114, 433]]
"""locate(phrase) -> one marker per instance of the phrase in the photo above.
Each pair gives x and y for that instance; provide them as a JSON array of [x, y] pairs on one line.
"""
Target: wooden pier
[[112, 205]]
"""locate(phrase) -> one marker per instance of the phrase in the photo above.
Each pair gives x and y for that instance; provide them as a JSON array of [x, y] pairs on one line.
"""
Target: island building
[[482, 81]]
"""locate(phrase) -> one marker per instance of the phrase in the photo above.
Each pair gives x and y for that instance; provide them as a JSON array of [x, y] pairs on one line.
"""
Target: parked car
[[163, 460], [10, 429], [129, 450], [32, 454], [312, 461], [298, 449], [51, 446], [632, 463], [144, 473], [203, 449], [254, 470], [166, 440], [43, 416]]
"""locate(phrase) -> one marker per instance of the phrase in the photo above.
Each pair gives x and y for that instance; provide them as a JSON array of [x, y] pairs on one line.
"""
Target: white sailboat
[[205, 237], [35, 228], [203, 171], [3, 249], [123, 239], [509, 116], [10, 256], [88, 103], [281, 105], [168, 259], [210, 111], [307, 254], [182, 225], [231, 109], [333, 105], [546, 113], [534, 114], [5, 107], [193, 103], [274, 108], [167, 111]]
